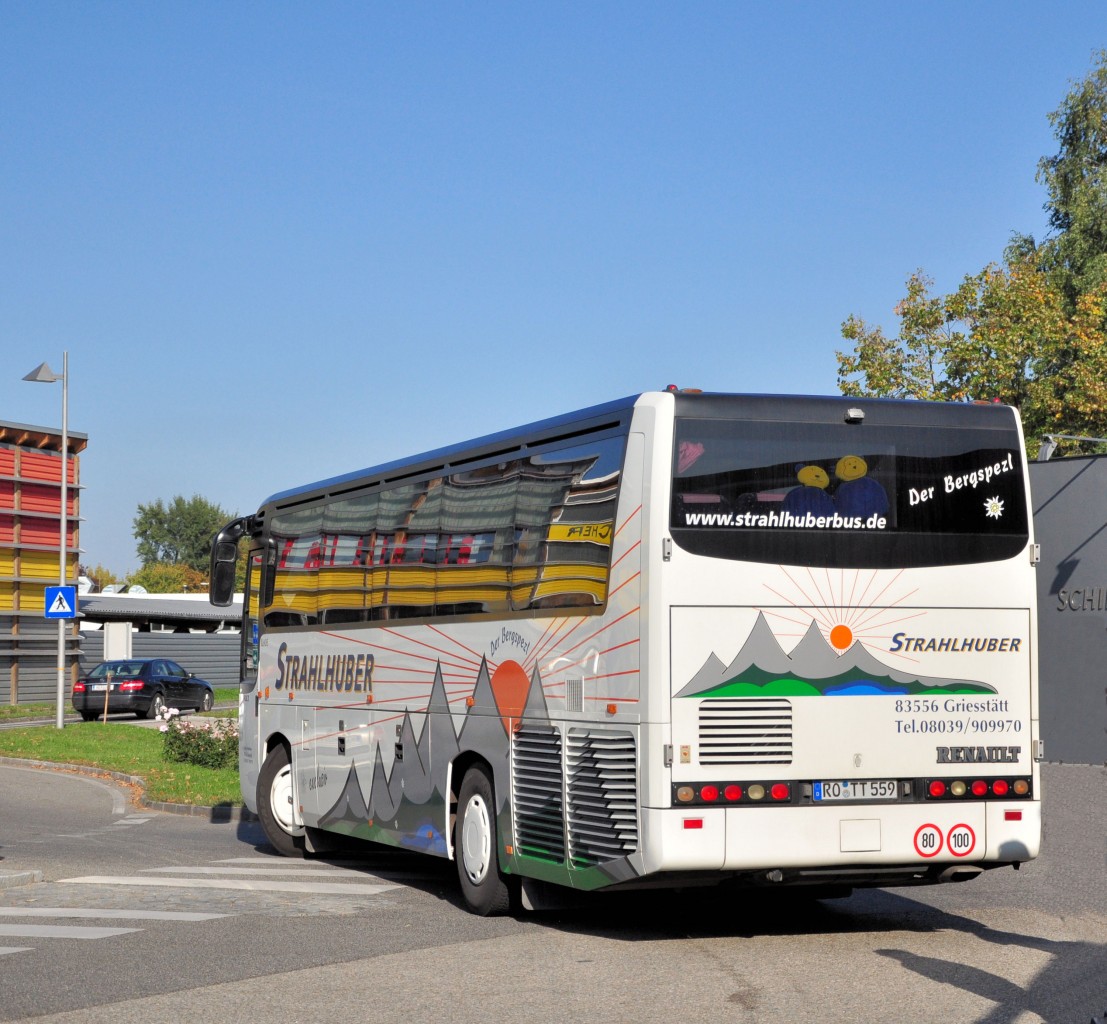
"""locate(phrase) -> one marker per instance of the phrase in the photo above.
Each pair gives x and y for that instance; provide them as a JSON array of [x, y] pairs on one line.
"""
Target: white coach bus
[[678, 639]]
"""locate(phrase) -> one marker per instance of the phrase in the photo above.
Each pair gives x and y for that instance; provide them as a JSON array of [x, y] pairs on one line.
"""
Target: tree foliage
[[100, 576], [169, 578], [179, 533], [1029, 332], [1076, 184], [1005, 335]]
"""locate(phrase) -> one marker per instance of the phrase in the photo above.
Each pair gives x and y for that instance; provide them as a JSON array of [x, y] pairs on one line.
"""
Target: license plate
[[864, 789], [99, 687]]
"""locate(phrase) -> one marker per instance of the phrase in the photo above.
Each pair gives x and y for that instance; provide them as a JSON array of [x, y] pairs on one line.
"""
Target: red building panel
[[44, 466]]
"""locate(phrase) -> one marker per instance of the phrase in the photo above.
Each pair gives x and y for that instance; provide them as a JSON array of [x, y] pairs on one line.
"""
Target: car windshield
[[117, 668]]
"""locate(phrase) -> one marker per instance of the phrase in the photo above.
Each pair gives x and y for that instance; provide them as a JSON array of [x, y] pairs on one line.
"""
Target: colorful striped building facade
[[30, 556]]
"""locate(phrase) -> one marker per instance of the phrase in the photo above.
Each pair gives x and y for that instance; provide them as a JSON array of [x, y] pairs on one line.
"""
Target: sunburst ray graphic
[[849, 606]]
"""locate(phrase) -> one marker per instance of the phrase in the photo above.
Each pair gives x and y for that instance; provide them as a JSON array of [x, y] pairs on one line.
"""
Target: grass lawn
[[48, 709], [117, 747]]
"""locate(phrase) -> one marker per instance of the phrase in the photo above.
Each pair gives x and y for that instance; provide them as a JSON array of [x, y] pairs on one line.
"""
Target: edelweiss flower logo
[[993, 508]]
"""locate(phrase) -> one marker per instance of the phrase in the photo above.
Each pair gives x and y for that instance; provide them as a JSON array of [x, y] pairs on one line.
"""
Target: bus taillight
[[733, 793], [977, 789]]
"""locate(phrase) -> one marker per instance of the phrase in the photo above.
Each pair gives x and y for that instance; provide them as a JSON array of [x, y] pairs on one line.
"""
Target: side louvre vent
[[538, 784], [745, 731], [603, 796]]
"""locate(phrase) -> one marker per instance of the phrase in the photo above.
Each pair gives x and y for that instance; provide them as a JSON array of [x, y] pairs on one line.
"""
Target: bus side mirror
[[224, 563]]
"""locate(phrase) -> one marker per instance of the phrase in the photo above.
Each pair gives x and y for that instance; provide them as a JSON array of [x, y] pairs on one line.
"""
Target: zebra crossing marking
[[117, 915], [245, 884], [56, 931], [236, 873]]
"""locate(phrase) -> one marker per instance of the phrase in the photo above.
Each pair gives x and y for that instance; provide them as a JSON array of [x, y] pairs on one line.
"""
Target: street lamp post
[[42, 374]]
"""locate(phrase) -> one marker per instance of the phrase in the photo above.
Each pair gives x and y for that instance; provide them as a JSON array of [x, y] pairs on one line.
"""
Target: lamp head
[[42, 374]]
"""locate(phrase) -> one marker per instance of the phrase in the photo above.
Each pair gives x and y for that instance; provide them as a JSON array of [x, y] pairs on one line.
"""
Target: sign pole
[[63, 545]]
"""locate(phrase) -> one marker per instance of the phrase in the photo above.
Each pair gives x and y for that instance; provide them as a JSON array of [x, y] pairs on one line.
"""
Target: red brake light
[[78, 687], [979, 788], [999, 787], [733, 792], [937, 788], [131, 685], [709, 793], [779, 791]]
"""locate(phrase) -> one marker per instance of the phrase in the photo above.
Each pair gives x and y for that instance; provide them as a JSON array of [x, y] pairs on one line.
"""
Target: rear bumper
[[810, 842], [136, 704]]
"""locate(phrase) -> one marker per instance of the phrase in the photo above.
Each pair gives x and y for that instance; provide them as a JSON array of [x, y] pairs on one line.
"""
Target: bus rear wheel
[[485, 889], [275, 807]]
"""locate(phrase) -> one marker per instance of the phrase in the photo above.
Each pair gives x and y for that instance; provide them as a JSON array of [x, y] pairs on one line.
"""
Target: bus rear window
[[830, 494]]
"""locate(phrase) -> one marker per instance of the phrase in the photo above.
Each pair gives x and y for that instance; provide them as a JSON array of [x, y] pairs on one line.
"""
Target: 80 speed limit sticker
[[929, 841]]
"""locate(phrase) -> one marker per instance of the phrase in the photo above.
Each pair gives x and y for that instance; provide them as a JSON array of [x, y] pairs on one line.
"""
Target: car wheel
[[89, 716], [275, 808], [485, 889], [157, 705], [207, 702]]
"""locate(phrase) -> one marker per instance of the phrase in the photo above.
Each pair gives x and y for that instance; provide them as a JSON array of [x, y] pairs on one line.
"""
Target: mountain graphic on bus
[[813, 668], [398, 803]]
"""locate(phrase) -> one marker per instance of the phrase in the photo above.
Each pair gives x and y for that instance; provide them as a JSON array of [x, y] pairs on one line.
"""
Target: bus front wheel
[[483, 886], [275, 807]]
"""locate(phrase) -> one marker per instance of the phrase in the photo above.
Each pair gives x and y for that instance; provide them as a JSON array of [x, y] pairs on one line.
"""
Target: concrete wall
[[1070, 519]]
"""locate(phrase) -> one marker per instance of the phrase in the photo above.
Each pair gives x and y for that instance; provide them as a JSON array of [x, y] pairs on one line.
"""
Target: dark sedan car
[[143, 686]]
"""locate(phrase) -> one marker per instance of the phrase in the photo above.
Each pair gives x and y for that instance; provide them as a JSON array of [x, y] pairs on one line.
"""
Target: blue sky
[[282, 241]]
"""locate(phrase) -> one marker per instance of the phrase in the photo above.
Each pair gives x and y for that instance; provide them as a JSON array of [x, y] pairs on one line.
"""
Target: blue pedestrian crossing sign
[[61, 602]]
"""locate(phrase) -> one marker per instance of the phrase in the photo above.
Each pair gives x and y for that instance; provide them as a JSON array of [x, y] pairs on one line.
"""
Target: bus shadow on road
[[1070, 987]]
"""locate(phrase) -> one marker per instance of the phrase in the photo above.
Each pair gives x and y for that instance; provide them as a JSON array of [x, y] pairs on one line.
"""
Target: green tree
[[101, 576], [169, 578], [178, 533], [910, 365], [1005, 335], [1029, 332], [1075, 178]]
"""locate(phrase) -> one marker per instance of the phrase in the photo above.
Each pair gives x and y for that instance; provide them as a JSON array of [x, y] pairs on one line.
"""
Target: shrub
[[210, 742]]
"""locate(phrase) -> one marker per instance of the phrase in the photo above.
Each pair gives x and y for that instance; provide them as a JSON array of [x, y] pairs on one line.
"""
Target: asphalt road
[[195, 919]]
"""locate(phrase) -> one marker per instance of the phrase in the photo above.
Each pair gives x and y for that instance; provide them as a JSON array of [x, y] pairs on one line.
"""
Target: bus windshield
[[831, 494]]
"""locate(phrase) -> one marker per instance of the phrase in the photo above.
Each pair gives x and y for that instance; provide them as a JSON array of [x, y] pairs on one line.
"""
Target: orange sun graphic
[[510, 684]]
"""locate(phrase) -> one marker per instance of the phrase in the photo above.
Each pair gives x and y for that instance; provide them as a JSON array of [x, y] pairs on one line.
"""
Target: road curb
[[10, 881], [220, 813]]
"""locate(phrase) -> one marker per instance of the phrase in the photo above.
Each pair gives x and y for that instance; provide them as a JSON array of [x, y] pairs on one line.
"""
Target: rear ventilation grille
[[603, 796], [538, 783], [745, 731], [574, 800]]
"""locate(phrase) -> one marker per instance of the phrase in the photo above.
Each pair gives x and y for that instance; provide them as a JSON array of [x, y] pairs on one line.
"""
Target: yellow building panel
[[39, 565], [32, 598]]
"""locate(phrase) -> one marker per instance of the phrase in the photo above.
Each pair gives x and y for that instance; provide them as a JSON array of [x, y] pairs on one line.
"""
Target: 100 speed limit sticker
[[930, 841]]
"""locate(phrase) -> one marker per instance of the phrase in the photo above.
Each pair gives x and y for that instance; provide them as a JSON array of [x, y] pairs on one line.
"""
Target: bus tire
[[485, 889], [274, 800]]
